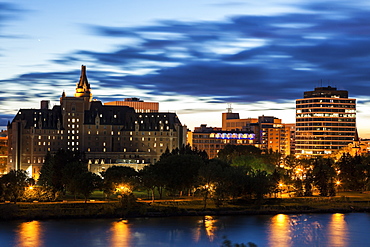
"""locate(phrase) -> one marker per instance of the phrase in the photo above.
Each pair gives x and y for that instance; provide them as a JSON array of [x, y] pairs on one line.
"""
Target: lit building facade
[[138, 104], [107, 134], [3, 152], [325, 122], [212, 140], [270, 132]]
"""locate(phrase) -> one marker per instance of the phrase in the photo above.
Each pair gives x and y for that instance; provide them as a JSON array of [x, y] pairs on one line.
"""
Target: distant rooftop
[[326, 92]]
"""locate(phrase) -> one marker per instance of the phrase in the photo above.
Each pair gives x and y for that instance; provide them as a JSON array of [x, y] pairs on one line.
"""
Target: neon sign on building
[[232, 136]]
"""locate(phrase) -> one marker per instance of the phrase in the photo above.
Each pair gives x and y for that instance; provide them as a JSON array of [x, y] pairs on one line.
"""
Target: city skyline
[[192, 57]]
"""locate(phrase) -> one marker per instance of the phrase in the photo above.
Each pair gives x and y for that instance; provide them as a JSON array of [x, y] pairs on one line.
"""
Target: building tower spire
[[83, 86]]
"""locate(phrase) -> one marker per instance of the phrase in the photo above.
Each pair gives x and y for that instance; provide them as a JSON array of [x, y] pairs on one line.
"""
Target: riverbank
[[164, 208]]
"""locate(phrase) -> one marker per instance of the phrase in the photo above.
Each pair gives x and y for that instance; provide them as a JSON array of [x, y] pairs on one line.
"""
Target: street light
[[337, 183]]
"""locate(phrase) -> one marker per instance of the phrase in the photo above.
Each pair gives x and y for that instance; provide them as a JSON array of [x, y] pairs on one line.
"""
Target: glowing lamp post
[[338, 183]]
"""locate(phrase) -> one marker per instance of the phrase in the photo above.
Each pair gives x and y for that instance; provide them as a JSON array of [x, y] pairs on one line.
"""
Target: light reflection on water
[[338, 230], [276, 231], [120, 234], [280, 230], [206, 225], [307, 230], [29, 234]]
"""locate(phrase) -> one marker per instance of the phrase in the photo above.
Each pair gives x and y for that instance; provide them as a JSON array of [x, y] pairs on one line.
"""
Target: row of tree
[[239, 172]]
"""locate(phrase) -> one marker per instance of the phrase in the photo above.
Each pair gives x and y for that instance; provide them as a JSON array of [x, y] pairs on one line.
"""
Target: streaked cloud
[[263, 59]]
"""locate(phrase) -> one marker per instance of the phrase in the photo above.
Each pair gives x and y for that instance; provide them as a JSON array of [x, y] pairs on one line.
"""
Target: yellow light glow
[[123, 189], [337, 182], [31, 187]]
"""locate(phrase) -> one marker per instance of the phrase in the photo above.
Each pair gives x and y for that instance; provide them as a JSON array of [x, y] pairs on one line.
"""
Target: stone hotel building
[[112, 134]]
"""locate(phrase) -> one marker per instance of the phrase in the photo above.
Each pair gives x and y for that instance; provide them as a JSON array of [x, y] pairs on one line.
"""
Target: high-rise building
[[325, 122], [107, 134]]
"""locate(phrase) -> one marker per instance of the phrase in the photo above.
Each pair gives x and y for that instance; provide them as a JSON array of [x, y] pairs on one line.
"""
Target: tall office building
[[325, 122], [107, 134]]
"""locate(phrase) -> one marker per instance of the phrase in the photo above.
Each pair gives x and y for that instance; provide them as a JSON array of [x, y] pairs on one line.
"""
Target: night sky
[[194, 57]]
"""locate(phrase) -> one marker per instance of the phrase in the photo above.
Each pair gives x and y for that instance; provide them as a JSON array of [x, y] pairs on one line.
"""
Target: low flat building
[[212, 140], [270, 132], [138, 104]]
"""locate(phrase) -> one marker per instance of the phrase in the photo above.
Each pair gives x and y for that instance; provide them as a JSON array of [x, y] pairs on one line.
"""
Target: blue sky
[[194, 57]]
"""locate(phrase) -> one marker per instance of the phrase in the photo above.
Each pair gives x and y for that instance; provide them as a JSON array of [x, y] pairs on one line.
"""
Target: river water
[[283, 230]]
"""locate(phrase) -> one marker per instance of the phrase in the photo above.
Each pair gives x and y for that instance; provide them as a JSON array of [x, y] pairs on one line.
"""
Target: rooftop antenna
[[229, 108]]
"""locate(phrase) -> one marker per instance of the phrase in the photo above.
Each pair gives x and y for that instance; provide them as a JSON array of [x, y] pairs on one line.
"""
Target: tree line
[[239, 172]]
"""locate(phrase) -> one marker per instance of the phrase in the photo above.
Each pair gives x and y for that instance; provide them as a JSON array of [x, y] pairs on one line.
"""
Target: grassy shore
[[97, 208]]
